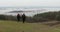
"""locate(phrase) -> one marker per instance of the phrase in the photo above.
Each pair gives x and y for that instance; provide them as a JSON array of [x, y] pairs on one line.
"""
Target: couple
[[19, 17]]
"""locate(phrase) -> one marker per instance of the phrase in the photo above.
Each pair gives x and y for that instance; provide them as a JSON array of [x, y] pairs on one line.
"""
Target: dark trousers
[[23, 20], [18, 19]]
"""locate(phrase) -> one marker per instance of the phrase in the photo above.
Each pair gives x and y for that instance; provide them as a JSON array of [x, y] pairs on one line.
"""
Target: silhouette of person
[[18, 17], [23, 17]]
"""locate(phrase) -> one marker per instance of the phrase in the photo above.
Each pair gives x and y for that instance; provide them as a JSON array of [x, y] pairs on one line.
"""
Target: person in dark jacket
[[18, 17], [23, 17]]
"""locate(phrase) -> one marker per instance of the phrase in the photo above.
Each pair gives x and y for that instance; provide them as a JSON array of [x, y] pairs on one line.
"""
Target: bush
[[47, 16]]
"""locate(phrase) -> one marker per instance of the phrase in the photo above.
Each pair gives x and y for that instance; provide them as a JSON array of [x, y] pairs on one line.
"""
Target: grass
[[13, 26]]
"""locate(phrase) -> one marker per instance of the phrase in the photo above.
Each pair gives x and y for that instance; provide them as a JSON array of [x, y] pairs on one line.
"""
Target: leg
[[18, 19], [23, 20]]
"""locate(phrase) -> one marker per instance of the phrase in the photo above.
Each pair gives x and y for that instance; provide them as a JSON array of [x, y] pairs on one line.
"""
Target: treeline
[[7, 17], [42, 17], [47, 16], [13, 18]]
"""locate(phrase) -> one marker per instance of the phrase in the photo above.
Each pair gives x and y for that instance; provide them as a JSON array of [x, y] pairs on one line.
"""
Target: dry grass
[[13, 26]]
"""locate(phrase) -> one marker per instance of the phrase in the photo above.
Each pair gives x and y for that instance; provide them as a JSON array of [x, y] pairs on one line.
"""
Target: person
[[23, 17], [18, 17]]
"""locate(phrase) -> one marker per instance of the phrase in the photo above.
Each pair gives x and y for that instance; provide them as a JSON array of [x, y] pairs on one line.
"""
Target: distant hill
[[47, 16]]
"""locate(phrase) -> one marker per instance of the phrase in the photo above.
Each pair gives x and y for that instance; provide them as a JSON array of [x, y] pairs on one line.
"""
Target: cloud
[[29, 2]]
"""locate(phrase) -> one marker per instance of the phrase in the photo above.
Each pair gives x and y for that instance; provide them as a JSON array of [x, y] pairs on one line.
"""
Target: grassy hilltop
[[13, 26]]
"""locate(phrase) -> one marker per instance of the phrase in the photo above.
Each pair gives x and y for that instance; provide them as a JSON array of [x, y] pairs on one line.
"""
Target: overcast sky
[[19, 3]]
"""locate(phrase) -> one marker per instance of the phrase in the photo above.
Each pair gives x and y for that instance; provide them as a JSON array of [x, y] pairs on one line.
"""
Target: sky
[[29, 3]]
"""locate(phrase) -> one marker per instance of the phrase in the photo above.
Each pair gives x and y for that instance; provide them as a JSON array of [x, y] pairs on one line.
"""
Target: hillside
[[13, 26], [47, 16]]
